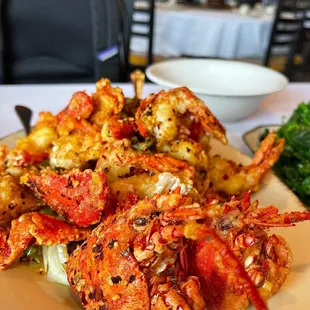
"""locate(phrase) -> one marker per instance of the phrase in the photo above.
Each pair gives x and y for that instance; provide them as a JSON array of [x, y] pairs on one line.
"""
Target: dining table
[[195, 31], [273, 110], [20, 286]]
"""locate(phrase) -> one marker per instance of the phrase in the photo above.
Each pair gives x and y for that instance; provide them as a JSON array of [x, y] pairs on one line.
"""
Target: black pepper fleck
[[69, 184], [11, 206], [111, 243], [91, 295], [155, 214], [97, 248], [131, 278], [116, 280], [99, 256], [84, 245]]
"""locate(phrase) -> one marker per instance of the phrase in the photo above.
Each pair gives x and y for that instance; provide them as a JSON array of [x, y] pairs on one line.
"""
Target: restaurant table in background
[[200, 32], [55, 97]]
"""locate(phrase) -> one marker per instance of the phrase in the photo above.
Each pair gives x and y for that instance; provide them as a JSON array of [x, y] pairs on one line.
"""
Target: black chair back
[[286, 30], [1, 43], [142, 28], [300, 71], [64, 41]]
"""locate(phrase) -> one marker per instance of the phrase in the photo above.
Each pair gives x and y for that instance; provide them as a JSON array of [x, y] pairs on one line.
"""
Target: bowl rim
[[164, 82]]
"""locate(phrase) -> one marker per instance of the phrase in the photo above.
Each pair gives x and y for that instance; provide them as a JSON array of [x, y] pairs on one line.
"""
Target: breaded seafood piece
[[79, 197], [35, 228], [15, 199]]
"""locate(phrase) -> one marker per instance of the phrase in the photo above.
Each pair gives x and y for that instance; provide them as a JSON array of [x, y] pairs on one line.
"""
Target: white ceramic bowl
[[232, 90]]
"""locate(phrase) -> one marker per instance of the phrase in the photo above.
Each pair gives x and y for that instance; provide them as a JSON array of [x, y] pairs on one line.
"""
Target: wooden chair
[[286, 31], [142, 28]]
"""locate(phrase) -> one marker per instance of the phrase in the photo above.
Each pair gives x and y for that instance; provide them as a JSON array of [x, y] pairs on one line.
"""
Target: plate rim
[[10, 134], [244, 135]]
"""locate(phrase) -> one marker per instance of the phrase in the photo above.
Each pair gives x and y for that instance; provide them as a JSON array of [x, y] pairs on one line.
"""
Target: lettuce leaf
[[55, 258]]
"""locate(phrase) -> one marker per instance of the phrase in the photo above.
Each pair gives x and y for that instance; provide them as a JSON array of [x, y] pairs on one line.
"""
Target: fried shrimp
[[230, 179], [159, 115]]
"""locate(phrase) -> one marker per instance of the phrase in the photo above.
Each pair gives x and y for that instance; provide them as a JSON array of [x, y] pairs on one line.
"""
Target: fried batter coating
[[74, 116], [79, 140], [79, 107], [105, 271], [108, 101], [39, 228], [115, 128], [191, 152], [79, 197], [230, 179], [75, 151], [34, 148], [15, 199], [145, 185], [121, 162], [160, 115], [3, 153], [96, 281]]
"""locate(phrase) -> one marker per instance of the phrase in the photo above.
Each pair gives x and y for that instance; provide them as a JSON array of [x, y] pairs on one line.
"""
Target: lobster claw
[[79, 197]]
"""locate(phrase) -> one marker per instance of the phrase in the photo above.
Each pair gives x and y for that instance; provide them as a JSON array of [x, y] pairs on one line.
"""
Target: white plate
[[232, 90], [21, 288]]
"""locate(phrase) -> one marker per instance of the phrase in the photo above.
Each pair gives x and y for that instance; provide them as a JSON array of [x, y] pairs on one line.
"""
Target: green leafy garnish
[[293, 166], [142, 146], [33, 256], [48, 211]]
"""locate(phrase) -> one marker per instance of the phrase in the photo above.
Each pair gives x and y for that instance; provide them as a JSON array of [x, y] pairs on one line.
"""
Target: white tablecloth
[[205, 33], [55, 97]]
